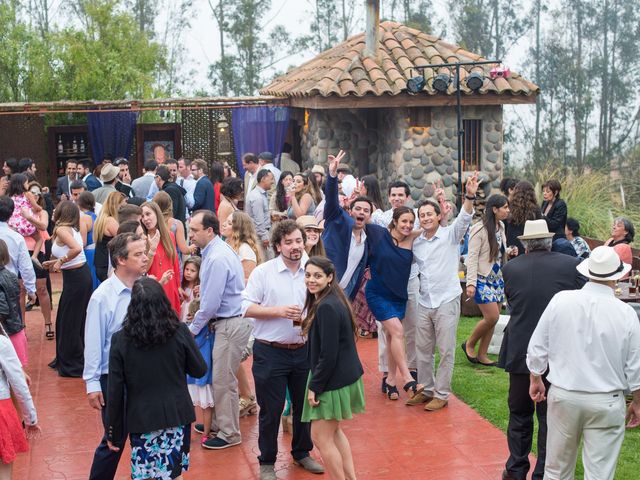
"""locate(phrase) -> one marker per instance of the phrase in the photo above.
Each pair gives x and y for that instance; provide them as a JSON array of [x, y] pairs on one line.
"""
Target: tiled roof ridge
[[345, 70]]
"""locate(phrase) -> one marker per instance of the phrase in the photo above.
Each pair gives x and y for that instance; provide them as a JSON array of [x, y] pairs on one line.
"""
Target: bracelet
[[470, 198]]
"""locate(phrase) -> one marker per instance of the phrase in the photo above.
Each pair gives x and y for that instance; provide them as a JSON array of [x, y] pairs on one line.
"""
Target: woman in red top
[[216, 176], [163, 258]]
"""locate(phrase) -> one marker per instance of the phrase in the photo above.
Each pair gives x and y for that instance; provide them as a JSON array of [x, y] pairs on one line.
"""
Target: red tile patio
[[389, 441]]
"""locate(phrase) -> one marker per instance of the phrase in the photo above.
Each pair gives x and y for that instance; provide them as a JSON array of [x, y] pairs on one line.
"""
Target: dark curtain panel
[[111, 133]]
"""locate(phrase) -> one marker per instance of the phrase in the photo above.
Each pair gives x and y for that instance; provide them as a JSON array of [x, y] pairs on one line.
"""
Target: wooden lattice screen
[[25, 136], [201, 137]]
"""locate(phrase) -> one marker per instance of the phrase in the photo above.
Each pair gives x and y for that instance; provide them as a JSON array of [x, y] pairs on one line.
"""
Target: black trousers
[[275, 369], [105, 461], [520, 430]]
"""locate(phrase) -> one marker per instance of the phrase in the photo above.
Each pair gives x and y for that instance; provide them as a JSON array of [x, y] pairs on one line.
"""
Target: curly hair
[[281, 230], [524, 204], [150, 319], [244, 232]]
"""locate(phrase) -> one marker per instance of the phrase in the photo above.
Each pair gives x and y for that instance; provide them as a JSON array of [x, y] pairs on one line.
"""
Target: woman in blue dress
[[390, 258]]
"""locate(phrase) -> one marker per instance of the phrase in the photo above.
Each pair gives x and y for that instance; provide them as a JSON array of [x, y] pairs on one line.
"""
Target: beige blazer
[[479, 261]]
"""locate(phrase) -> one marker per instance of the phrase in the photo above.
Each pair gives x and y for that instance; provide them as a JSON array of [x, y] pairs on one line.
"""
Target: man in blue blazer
[[85, 167], [203, 195], [344, 233]]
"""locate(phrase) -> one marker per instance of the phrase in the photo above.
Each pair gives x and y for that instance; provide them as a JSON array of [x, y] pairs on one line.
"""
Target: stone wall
[[420, 155]]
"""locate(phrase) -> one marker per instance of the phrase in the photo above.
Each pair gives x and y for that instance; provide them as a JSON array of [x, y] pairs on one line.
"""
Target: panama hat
[[603, 264], [109, 172], [308, 221], [535, 229], [318, 169]]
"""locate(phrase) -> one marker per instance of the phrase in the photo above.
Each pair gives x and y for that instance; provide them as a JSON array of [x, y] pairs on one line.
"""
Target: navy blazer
[[62, 186], [92, 182], [203, 195], [338, 227]]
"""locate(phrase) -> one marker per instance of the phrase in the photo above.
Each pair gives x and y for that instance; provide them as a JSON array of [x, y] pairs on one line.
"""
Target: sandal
[[49, 333], [415, 388], [384, 386], [392, 392]]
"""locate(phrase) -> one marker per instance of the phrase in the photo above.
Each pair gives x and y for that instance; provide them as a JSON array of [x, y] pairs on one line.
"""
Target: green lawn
[[485, 390]]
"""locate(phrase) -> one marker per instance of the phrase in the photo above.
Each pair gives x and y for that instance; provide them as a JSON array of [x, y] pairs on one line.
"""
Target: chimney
[[372, 31]]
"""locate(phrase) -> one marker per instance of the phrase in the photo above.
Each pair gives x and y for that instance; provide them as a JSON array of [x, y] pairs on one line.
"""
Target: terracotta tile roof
[[345, 71]]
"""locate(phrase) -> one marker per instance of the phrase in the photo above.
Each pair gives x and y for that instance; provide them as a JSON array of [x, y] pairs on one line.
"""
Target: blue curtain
[[111, 133], [259, 129]]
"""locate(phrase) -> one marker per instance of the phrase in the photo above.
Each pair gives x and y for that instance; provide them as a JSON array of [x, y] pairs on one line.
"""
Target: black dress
[[101, 258], [556, 217]]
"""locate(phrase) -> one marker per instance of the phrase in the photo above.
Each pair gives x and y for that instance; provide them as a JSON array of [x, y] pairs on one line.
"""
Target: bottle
[[82, 147], [74, 146], [60, 146]]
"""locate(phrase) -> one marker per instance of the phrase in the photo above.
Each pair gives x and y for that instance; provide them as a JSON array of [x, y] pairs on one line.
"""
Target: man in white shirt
[[186, 180], [274, 297], [265, 160], [436, 251], [251, 167], [589, 341], [258, 206]]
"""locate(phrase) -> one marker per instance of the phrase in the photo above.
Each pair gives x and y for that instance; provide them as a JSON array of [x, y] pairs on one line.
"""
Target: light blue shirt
[[19, 258], [221, 284], [153, 189], [105, 315]]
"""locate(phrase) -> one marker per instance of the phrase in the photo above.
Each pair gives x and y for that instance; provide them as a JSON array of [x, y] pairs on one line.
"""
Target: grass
[[485, 390]]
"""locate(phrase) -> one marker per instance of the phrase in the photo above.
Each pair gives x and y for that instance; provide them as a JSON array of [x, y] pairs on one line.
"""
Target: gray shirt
[[258, 209]]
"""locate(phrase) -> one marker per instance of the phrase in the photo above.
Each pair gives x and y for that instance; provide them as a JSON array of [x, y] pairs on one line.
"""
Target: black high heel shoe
[[49, 334]]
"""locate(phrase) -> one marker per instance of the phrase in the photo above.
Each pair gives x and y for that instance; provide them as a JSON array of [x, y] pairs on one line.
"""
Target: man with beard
[[274, 297]]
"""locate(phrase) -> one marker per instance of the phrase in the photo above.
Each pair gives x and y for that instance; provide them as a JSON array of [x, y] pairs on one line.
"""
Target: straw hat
[[535, 229], [603, 264], [318, 169], [308, 221], [109, 172]]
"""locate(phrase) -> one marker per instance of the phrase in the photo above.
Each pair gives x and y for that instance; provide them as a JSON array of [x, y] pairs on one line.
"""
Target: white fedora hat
[[603, 264], [535, 229]]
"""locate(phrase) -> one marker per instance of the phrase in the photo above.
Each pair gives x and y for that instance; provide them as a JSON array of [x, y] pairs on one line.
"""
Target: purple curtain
[[259, 129], [111, 133]]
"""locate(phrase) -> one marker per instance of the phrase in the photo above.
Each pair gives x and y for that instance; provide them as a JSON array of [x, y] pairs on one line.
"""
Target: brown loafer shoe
[[435, 404], [418, 399]]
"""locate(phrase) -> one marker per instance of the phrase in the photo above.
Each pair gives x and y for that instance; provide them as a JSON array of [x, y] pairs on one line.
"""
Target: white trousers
[[409, 325], [437, 327], [597, 418]]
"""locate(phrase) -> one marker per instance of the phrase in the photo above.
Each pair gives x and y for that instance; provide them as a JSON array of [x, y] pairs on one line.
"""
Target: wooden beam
[[385, 101]]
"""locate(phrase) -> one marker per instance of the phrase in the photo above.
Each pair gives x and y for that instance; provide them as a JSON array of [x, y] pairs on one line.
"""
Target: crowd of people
[[170, 282]]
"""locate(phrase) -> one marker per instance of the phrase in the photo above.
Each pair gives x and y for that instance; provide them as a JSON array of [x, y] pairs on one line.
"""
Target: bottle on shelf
[[60, 146], [82, 146], [74, 146]]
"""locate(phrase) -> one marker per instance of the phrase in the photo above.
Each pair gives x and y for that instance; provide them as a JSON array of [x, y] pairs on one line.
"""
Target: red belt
[[284, 346]]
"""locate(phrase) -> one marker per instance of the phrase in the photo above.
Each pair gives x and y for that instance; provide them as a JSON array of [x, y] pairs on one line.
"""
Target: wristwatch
[[469, 197]]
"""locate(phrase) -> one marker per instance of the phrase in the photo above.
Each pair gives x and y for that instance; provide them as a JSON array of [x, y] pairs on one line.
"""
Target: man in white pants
[[590, 342], [437, 252]]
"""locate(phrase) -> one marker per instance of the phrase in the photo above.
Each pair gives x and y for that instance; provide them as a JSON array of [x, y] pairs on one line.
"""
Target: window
[[472, 145]]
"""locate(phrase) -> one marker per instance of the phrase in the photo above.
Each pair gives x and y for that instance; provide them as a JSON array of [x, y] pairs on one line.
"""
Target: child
[[200, 389], [10, 317], [12, 436], [189, 289]]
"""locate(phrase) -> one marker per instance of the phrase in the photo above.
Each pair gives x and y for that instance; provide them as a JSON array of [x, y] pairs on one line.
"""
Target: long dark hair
[[281, 200], [373, 189], [524, 204], [150, 319], [489, 222], [311, 303]]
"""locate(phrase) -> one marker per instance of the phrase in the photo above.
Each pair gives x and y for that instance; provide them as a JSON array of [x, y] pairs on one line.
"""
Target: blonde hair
[[109, 209], [244, 232], [165, 235], [164, 202]]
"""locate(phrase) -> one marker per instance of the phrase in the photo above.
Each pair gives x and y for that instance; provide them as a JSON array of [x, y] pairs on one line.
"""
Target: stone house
[[354, 97]]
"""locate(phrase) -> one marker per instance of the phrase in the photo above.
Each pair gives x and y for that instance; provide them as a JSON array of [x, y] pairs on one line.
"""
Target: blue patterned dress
[[490, 289], [160, 454]]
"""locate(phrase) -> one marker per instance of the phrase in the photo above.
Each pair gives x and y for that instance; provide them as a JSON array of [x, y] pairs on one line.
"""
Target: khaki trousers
[[231, 339], [598, 418], [436, 327]]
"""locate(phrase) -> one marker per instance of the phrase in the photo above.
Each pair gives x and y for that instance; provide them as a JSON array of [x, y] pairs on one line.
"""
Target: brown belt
[[284, 346]]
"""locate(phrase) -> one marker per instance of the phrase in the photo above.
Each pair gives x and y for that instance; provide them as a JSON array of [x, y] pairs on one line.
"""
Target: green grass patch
[[485, 389]]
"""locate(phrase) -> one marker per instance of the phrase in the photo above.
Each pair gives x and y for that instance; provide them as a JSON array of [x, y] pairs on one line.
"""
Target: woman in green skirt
[[335, 390]]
